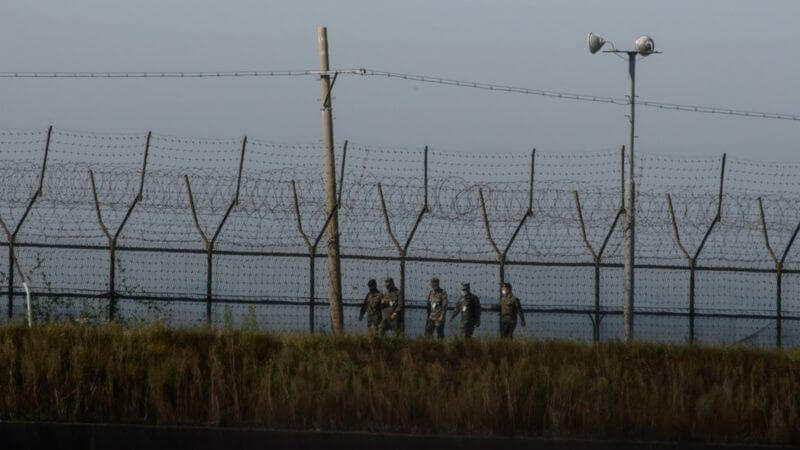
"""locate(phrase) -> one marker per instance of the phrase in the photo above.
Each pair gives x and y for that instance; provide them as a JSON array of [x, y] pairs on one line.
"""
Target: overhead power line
[[415, 78], [497, 87], [716, 110], [208, 74], [583, 97]]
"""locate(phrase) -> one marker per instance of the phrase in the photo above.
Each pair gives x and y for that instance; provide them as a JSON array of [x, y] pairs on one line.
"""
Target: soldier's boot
[[469, 329], [384, 327], [429, 327]]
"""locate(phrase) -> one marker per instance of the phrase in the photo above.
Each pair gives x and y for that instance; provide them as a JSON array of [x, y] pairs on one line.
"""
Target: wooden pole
[[334, 273]]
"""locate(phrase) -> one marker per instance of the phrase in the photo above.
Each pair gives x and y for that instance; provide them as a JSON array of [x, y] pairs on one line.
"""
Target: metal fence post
[[778, 307], [597, 257], [502, 256], [779, 263], [209, 280], [311, 294], [489, 237], [402, 250], [692, 267], [312, 247], [312, 252], [111, 245], [10, 277], [206, 245], [498, 253], [691, 259], [690, 262], [209, 243], [11, 236], [113, 239]]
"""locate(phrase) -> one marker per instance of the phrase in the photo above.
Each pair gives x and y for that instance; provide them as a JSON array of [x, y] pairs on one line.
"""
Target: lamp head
[[644, 45], [595, 43]]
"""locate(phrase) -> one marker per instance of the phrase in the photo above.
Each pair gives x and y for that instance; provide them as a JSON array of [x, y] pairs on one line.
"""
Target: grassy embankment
[[243, 378]]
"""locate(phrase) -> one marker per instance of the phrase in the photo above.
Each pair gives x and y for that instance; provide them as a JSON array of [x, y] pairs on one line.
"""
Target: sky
[[722, 53]]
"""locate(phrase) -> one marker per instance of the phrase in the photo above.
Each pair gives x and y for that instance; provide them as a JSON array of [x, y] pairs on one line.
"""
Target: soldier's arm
[[477, 311], [363, 308], [397, 306], [428, 305], [521, 314], [456, 310]]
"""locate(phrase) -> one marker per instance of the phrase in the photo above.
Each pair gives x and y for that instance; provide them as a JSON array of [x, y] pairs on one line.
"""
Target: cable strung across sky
[[408, 77], [208, 74], [584, 97]]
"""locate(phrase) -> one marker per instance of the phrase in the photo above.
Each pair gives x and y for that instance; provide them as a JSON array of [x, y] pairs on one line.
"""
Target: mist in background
[[718, 53]]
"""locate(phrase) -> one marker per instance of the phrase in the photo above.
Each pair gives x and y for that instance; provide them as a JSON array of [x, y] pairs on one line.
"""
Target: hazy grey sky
[[722, 53]]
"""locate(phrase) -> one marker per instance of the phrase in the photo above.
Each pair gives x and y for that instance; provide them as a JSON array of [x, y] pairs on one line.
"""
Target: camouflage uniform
[[372, 307], [510, 308], [469, 306], [392, 310], [437, 310]]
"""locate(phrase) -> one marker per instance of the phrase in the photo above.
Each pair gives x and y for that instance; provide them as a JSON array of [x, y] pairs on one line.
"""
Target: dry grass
[[151, 374]]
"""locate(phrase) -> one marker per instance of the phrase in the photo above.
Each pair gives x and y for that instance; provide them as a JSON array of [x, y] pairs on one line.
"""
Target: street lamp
[[643, 46]]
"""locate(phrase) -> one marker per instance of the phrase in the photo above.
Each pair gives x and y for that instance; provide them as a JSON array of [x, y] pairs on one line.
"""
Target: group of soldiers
[[385, 310]]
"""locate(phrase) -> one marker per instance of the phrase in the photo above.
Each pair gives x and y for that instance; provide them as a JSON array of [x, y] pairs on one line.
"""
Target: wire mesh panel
[[723, 296], [271, 292], [260, 207]]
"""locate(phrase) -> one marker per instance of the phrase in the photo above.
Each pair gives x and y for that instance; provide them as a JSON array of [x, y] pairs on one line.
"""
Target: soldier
[[510, 308], [469, 306], [392, 310], [372, 307], [437, 310]]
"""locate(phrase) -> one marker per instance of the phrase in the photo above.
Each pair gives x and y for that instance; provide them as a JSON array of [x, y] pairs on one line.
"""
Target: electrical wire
[[209, 74], [416, 78], [585, 97]]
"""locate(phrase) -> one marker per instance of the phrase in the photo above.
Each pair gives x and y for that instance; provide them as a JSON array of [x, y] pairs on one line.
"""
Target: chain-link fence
[[150, 227]]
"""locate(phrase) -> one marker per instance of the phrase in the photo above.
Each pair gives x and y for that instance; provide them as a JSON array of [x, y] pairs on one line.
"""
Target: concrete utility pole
[[643, 46], [630, 207], [334, 274]]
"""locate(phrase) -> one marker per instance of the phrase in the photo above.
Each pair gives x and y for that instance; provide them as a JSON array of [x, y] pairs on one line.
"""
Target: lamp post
[[643, 46]]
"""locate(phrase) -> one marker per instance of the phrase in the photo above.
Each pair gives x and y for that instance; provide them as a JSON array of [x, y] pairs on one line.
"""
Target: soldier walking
[[510, 308], [372, 307], [469, 306], [392, 310], [437, 310]]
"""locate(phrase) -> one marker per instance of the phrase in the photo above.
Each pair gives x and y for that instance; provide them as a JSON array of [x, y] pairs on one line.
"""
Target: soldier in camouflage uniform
[[372, 307], [469, 306], [510, 308], [437, 310], [392, 310]]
